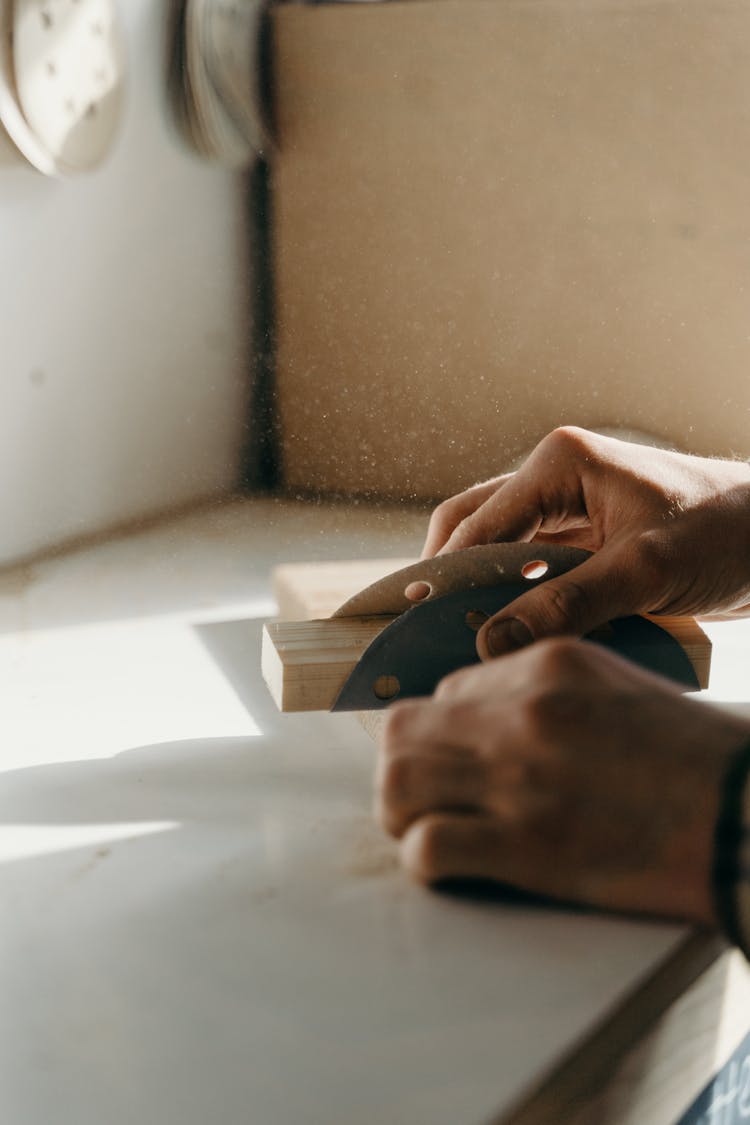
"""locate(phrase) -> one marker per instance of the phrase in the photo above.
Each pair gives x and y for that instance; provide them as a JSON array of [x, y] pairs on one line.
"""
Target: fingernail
[[507, 636]]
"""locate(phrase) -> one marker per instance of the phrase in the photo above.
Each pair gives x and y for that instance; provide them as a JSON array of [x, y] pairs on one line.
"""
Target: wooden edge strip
[[696, 643], [306, 663], [587, 1067], [315, 590]]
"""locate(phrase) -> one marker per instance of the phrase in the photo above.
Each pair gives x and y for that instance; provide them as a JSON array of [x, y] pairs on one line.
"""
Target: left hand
[[566, 771], [670, 533]]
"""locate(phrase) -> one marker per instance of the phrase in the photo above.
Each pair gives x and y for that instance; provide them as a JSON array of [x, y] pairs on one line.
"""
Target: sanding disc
[[217, 79], [61, 81]]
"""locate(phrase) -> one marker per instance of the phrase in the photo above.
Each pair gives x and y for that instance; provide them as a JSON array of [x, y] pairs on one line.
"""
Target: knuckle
[[548, 714], [400, 719], [561, 697], [571, 439], [655, 557], [556, 657], [426, 848], [566, 601], [536, 712], [508, 780], [460, 718], [446, 515], [396, 780], [466, 530], [452, 685]]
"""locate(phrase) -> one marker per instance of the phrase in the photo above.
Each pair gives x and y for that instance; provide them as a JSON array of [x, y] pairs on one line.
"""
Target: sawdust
[[16, 581], [90, 864], [369, 853]]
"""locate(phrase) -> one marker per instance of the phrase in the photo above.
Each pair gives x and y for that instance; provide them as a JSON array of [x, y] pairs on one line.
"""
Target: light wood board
[[695, 1024], [313, 590], [306, 662]]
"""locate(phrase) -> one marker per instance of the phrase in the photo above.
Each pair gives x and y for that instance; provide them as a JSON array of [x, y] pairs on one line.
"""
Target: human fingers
[[546, 494], [605, 586], [411, 784], [511, 514], [446, 845], [470, 713], [451, 752], [614, 794], [530, 850], [556, 666], [448, 515], [532, 856]]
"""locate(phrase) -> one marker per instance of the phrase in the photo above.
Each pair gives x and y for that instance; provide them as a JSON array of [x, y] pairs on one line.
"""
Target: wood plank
[[694, 1013], [307, 590], [305, 663]]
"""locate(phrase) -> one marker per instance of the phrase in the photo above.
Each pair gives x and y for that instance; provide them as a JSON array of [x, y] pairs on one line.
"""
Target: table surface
[[201, 921]]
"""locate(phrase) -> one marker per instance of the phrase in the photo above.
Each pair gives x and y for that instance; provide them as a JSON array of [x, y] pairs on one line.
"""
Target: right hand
[[564, 770], [670, 534]]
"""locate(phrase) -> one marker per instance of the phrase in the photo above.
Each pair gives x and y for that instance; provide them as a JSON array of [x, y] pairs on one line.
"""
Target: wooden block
[[622, 1076], [308, 590], [306, 663]]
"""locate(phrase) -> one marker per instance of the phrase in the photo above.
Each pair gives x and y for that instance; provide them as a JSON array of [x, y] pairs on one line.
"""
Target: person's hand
[[670, 532], [563, 770]]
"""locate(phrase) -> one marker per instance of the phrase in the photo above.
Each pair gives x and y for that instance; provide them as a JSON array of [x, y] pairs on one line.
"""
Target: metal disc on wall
[[61, 81], [218, 79]]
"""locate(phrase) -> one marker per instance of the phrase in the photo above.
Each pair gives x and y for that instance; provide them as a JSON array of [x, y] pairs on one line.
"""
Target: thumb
[[591, 594]]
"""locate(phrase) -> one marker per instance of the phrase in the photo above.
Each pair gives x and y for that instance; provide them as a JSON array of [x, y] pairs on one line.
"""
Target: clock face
[[61, 80]]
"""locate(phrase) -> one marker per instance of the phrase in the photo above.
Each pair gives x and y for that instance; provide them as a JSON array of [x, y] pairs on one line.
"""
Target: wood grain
[[306, 663], [306, 590], [648, 1061]]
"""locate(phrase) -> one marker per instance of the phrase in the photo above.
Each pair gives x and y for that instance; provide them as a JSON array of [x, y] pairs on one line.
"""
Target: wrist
[[731, 866]]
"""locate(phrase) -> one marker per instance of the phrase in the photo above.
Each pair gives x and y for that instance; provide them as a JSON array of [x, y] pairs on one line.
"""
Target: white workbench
[[201, 925]]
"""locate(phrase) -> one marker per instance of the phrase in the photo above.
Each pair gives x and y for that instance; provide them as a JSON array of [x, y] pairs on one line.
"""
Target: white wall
[[123, 324]]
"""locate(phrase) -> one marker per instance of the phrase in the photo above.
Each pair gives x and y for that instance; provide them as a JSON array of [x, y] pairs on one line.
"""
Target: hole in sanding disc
[[386, 687], [418, 591], [535, 569]]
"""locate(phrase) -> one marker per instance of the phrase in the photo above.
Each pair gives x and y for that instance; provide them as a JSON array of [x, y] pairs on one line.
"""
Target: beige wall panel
[[496, 216]]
